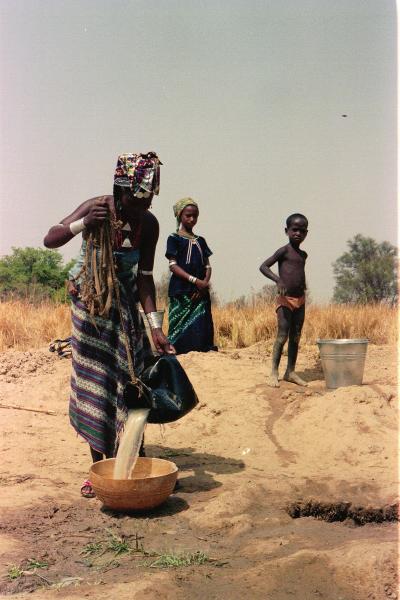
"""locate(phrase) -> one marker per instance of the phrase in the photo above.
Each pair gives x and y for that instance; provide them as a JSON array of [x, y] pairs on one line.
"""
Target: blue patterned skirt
[[190, 324]]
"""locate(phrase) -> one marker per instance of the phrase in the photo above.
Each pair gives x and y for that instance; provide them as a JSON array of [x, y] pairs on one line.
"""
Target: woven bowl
[[153, 481]]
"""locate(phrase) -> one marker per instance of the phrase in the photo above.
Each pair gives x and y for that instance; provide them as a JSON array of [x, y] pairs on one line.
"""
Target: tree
[[366, 273], [32, 272]]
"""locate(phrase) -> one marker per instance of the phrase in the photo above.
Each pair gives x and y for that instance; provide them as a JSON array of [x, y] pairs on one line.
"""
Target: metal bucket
[[343, 361]]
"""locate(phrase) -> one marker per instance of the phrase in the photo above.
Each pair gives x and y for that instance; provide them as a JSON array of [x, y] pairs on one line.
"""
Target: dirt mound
[[16, 365]]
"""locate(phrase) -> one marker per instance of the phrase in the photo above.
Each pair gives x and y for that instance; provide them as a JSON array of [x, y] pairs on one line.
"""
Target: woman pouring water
[[113, 273]]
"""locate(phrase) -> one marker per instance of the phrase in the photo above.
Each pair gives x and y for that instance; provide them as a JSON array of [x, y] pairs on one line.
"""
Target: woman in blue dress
[[190, 319]]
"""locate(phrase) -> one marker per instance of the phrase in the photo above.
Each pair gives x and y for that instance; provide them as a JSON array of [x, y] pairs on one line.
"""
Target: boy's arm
[[266, 271]]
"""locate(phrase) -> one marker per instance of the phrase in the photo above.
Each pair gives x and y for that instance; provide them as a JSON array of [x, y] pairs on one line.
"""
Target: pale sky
[[242, 100]]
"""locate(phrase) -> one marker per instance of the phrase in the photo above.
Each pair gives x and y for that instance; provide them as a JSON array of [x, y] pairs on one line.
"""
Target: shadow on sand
[[172, 506], [204, 466], [313, 373]]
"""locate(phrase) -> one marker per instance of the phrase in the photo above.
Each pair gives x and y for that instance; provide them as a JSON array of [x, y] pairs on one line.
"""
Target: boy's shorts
[[290, 302]]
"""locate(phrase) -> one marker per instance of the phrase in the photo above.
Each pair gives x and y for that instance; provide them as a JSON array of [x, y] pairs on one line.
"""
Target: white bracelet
[[208, 266], [172, 262], [77, 226], [192, 279], [141, 272], [155, 320]]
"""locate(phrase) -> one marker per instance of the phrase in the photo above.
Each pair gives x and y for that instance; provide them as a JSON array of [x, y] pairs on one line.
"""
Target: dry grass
[[24, 326], [241, 327]]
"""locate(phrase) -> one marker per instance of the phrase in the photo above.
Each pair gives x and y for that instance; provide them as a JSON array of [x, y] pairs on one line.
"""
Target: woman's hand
[[98, 213], [161, 343]]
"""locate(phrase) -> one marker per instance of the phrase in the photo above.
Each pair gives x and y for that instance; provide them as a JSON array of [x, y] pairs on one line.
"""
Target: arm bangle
[[192, 279], [77, 226], [208, 266], [142, 272], [155, 320]]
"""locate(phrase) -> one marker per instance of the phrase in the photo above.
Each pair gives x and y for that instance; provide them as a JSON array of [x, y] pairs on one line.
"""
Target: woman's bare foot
[[294, 378], [272, 380]]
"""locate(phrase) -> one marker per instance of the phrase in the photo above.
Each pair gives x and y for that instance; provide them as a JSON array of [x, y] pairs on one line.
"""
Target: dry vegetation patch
[[242, 327], [24, 325]]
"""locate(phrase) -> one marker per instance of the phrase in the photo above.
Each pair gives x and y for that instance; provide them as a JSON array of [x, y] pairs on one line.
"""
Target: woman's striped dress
[[99, 361]]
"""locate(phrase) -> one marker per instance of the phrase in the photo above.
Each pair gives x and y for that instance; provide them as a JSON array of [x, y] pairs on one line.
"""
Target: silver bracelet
[[192, 279], [155, 320], [77, 226], [208, 266]]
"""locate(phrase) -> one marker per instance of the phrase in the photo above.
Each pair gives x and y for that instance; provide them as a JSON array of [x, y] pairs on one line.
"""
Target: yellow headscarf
[[180, 205]]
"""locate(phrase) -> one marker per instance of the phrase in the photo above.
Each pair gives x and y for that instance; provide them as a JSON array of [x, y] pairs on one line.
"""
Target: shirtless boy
[[291, 284]]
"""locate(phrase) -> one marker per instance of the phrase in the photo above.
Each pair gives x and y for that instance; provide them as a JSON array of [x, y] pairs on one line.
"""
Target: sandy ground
[[244, 454]]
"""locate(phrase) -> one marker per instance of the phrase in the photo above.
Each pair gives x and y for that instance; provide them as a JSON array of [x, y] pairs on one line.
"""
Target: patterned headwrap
[[140, 172], [180, 205]]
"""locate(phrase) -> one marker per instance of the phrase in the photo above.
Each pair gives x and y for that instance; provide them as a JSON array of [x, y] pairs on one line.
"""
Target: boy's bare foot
[[273, 381], [294, 378]]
